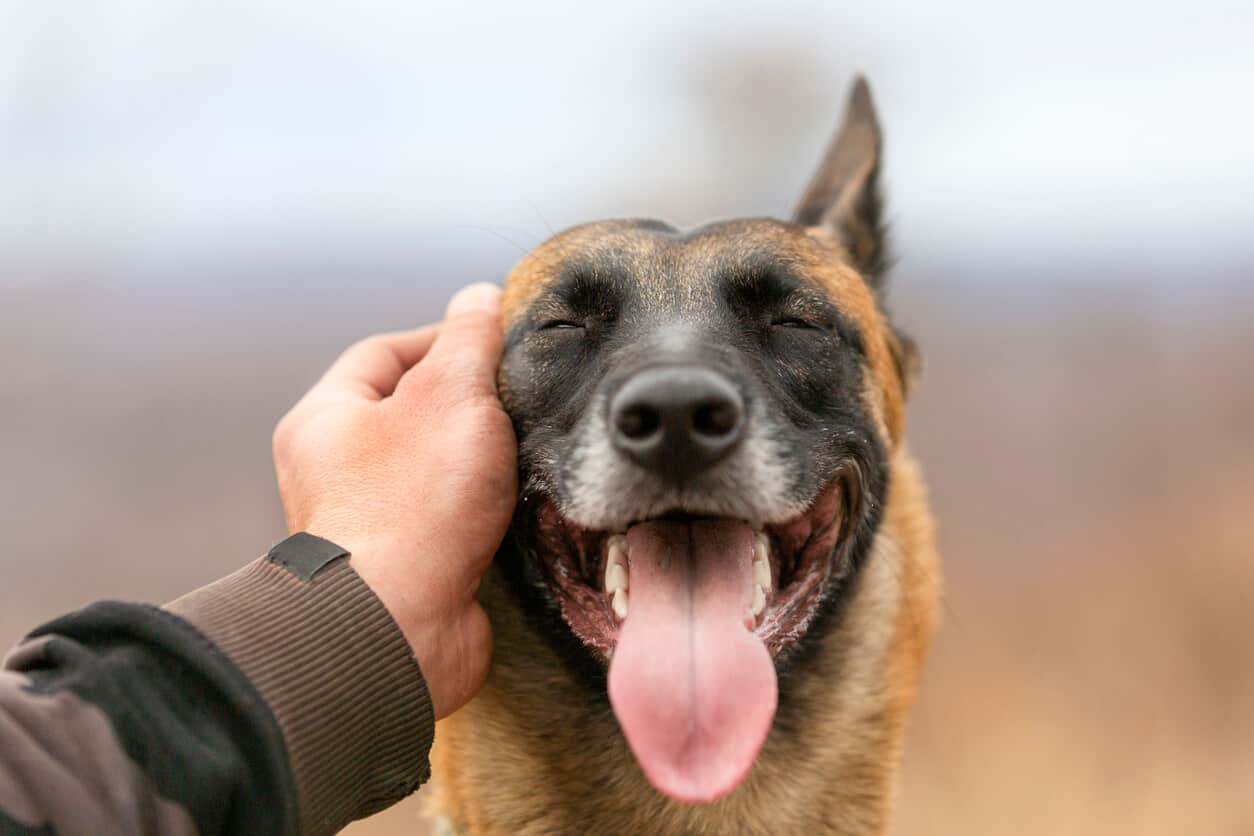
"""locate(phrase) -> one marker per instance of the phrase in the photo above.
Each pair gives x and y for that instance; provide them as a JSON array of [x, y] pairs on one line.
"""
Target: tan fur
[[534, 753]]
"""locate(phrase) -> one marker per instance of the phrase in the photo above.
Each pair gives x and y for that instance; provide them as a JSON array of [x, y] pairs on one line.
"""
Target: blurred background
[[201, 204]]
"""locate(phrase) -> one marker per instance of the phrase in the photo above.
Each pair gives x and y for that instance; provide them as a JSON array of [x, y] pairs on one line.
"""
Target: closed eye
[[559, 325], [795, 322]]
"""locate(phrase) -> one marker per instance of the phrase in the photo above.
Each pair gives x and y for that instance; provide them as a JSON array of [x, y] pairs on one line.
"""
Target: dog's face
[[704, 421]]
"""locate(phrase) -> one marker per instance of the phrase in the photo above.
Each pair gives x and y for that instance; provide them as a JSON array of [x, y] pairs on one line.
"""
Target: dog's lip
[[805, 552]]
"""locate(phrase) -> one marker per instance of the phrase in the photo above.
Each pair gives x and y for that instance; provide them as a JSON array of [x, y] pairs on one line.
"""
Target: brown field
[[1090, 452]]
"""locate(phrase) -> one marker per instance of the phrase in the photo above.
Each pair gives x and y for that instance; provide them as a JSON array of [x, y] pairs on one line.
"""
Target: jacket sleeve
[[281, 699]]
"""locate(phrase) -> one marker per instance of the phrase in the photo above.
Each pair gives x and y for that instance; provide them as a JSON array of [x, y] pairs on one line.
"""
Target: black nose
[[676, 420]]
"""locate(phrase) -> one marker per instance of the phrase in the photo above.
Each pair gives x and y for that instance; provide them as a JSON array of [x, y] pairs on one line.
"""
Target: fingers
[[468, 347], [371, 368]]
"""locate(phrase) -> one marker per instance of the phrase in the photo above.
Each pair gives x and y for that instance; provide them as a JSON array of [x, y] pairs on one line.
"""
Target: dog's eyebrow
[[585, 289], [759, 281], [763, 282], [577, 289]]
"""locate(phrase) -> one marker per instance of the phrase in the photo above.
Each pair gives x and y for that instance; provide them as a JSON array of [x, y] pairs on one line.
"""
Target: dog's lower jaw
[[534, 754]]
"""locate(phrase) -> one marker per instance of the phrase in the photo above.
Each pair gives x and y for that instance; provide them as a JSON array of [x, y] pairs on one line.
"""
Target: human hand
[[403, 455]]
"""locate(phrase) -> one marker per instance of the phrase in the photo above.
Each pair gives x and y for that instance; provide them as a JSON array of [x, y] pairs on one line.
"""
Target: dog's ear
[[844, 200], [843, 197]]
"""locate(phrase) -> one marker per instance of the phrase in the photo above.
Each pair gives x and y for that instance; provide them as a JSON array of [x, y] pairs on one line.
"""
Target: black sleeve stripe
[[11, 827], [180, 709]]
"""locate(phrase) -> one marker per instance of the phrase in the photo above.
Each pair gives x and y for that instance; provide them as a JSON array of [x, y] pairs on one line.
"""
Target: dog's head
[[704, 420]]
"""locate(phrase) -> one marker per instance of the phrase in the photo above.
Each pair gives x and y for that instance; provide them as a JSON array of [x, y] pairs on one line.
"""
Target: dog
[[712, 607]]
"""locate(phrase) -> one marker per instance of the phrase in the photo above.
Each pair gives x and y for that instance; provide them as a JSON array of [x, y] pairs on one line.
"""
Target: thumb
[[470, 341]]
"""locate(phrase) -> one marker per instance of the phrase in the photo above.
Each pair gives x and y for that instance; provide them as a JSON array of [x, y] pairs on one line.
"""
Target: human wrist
[[323, 652]]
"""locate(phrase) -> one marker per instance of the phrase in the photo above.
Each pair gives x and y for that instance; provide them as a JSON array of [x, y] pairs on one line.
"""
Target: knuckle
[[436, 378], [467, 374], [483, 328], [477, 328]]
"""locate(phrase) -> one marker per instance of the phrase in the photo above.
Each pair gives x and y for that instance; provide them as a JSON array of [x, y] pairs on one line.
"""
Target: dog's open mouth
[[690, 612]]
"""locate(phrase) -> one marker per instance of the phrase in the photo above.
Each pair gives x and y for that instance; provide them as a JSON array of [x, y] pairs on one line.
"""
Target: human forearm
[[267, 702]]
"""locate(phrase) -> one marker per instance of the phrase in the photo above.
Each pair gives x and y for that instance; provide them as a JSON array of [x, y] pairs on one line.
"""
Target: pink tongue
[[693, 688]]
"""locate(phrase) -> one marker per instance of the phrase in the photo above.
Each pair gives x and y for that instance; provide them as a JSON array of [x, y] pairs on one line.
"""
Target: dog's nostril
[[715, 418], [639, 422]]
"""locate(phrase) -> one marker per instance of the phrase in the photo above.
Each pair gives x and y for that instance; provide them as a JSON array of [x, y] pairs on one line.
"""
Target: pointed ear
[[844, 200], [843, 197]]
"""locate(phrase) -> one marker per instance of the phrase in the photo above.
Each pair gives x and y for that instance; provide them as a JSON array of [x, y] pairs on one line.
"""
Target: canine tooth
[[761, 546], [615, 577], [762, 573], [616, 564], [620, 603], [759, 600]]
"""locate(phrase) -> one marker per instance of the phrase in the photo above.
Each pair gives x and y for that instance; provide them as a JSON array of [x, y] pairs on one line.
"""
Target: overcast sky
[[140, 130]]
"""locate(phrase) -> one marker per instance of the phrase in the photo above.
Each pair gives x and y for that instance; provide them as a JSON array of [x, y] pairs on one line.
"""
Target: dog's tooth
[[762, 573], [615, 577], [620, 603], [759, 600], [616, 564], [761, 570]]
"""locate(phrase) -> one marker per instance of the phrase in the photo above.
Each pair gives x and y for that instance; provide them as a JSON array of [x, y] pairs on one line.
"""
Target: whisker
[[543, 220], [494, 233]]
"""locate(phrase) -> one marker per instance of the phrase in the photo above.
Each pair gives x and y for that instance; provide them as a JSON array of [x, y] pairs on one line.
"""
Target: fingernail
[[480, 297]]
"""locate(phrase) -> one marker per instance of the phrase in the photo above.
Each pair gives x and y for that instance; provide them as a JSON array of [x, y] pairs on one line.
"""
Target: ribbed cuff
[[337, 673]]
